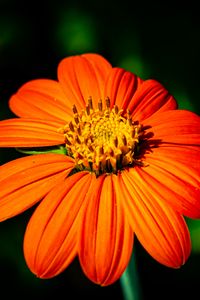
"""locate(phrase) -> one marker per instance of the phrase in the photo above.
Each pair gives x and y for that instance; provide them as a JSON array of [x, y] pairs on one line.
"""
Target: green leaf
[[31, 151], [194, 228], [76, 32]]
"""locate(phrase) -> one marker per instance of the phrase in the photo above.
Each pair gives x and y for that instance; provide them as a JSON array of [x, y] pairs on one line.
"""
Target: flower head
[[127, 163]]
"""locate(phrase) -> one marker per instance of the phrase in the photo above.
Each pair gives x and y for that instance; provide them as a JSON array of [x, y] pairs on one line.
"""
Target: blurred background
[[154, 40]]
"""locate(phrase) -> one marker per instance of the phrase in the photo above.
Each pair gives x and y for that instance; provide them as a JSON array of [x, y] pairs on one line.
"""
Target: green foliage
[[183, 99], [31, 151], [134, 63], [76, 32], [194, 228]]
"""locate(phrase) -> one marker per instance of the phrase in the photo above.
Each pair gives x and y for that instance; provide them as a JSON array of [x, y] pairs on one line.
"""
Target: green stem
[[130, 282]]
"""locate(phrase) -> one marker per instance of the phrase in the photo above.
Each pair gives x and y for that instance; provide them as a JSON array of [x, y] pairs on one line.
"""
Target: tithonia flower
[[127, 163]]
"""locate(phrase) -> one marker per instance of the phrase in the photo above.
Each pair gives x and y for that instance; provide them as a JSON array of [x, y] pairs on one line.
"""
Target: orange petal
[[27, 180], [50, 241], [121, 87], [150, 98], [106, 238], [161, 231], [41, 99], [173, 175], [175, 126], [29, 133], [83, 76]]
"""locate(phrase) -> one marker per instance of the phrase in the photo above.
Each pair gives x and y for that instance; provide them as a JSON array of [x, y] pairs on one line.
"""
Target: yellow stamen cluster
[[102, 140]]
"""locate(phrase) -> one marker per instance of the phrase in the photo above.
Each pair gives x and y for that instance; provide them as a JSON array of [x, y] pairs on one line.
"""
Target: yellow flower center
[[102, 140]]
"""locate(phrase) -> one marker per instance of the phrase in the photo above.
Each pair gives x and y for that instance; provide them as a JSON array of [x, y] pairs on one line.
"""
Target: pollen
[[102, 139]]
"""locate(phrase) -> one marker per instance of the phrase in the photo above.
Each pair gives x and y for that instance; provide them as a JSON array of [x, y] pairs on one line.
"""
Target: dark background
[[153, 39]]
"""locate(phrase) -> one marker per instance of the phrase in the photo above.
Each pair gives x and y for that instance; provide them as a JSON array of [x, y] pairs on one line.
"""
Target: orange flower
[[130, 165]]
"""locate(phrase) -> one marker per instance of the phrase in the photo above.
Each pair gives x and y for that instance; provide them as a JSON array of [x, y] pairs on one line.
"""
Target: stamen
[[108, 102], [71, 126], [111, 152], [108, 166], [101, 152], [79, 130], [76, 119], [87, 110], [129, 117], [116, 109], [77, 139], [102, 140], [124, 140], [116, 141], [91, 148], [67, 141], [133, 132], [100, 105], [90, 102], [74, 109]]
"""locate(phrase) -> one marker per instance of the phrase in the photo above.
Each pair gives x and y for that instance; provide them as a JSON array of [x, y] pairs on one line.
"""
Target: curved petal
[[106, 238], [27, 180], [121, 86], [161, 231], [50, 241], [175, 127], [83, 76], [29, 133], [41, 99], [173, 175], [150, 98]]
